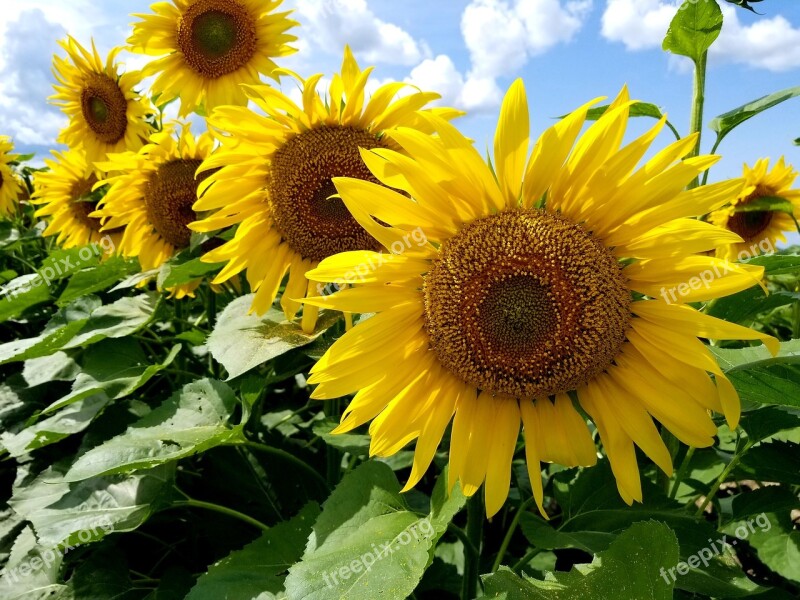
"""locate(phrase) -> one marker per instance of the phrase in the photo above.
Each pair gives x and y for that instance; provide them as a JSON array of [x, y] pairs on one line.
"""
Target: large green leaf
[[58, 366], [257, 571], [775, 541], [81, 323], [183, 269], [69, 514], [762, 379], [635, 567], [746, 305], [115, 368], [727, 122], [693, 29], [241, 341], [97, 278], [193, 420], [32, 571], [22, 293], [775, 461], [366, 543]]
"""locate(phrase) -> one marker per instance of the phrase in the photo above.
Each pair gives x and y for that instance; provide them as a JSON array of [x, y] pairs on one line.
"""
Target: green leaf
[[73, 419], [193, 420], [777, 264], [766, 204], [184, 270], [637, 109], [727, 122], [366, 543], [69, 514], [635, 566], [766, 422], [772, 461], [356, 444], [762, 379], [746, 305], [22, 293], [693, 29], [114, 368], [242, 341], [259, 567], [775, 541], [96, 279], [31, 572], [81, 323], [763, 500], [104, 576], [56, 367]]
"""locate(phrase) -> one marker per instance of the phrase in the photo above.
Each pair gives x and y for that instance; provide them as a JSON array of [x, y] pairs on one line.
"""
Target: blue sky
[[567, 51]]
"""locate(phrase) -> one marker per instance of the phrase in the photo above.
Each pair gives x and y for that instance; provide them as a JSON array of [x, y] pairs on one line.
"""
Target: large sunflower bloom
[[211, 47], [760, 230], [65, 193], [105, 113], [10, 187], [275, 178], [151, 196], [540, 288]]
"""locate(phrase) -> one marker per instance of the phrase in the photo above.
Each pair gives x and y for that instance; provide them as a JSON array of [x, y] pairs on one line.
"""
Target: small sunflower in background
[[105, 113], [151, 196], [66, 200], [275, 176], [539, 294], [10, 186], [760, 225], [211, 47]]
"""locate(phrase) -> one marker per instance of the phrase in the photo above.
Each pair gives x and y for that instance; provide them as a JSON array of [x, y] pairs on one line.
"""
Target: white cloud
[[333, 23], [440, 75], [769, 43], [501, 36]]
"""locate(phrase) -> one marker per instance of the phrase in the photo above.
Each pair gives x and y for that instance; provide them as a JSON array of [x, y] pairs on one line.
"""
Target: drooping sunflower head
[[105, 113], [152, 192], [10, 187], [766, 208], [67, 200], [209, 47], [276, 172], [553, 289]]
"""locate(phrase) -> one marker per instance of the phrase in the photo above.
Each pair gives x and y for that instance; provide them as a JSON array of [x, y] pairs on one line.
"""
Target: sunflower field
[[325, 347]]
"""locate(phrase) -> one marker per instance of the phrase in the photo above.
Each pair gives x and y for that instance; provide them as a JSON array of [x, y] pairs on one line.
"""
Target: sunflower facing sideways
[[10, 187], [105, 113], [274, 178], [65, 193], [209, 47], [759, 229], [151, 196], [538, 292]]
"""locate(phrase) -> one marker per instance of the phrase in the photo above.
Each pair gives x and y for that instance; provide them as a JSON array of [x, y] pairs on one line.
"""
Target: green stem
[[222, 510], [510, 533], [681, 472], [525, 559], [675, 132], [289, 458], [333, 457], [475, 515], [717, 142], [698, 103], [462, 535], [721, 479], [796, 321], [211, 308]]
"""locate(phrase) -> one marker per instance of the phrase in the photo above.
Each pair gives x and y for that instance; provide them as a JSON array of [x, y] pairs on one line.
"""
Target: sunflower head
[[276, 174], [151, 194], [552, 291], [66, 198], [105, 113], [10, 186], [207, 48], [750, 215]]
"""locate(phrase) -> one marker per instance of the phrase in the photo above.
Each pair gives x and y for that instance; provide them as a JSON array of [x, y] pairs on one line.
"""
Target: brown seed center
[[104, 108], [217, 37], [526, 303], [171, 191], [309, 220], [82, 202]]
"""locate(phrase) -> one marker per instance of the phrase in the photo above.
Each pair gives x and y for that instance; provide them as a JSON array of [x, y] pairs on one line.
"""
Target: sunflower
[[211, 47], [760, 230], [151, 196], [105, 113], [275, 178], [10, 187], [65, 193], [539, 292]]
